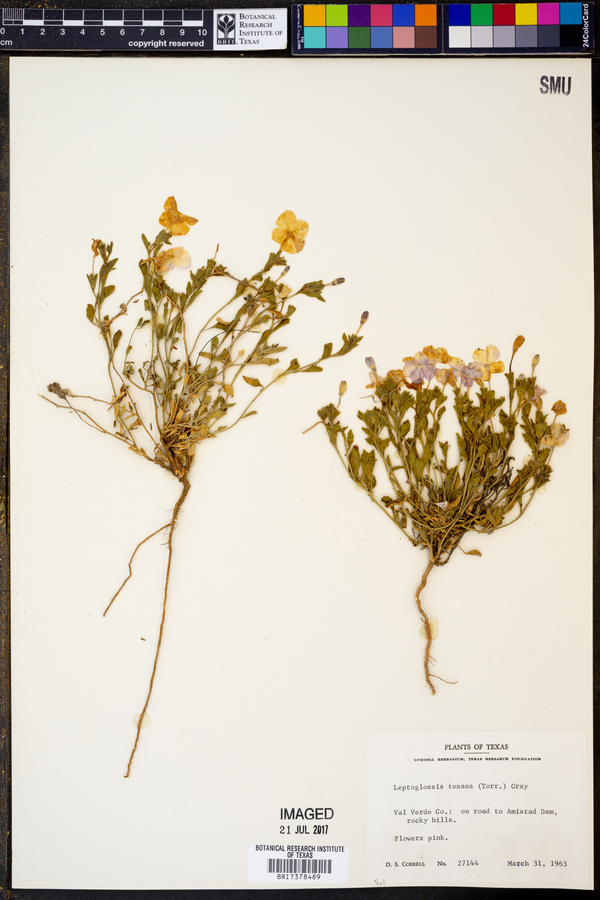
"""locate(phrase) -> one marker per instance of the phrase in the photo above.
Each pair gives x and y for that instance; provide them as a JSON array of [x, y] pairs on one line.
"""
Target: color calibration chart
[[436, 28]]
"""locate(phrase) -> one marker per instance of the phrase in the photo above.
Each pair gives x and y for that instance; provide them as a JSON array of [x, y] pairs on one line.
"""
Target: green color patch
[[337, 15], [482, 14], [359, 38]]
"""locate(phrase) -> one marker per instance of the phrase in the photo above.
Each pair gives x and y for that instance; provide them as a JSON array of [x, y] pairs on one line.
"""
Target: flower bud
[[559, 408], [519, 341], [336, 281], [285, 271], [535, 360], [343, 388], [371, 363], [364, 317]]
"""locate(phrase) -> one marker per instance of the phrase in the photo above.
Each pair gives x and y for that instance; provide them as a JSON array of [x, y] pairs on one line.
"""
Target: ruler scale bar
[[143, 29], [107, 17]]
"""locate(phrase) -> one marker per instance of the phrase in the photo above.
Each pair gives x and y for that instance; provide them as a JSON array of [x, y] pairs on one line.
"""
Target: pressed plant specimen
[[185, 391], [437, 493]]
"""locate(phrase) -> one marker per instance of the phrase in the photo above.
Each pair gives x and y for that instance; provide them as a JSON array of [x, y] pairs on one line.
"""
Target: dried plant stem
[[426, 624], [114, 597], [176, 511]]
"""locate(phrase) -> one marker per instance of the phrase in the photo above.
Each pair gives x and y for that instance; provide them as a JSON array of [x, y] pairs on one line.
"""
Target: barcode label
[[298, 865], [321, 866]]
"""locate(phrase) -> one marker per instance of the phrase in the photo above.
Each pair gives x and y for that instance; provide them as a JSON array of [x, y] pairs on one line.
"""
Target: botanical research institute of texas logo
[[226, 28]]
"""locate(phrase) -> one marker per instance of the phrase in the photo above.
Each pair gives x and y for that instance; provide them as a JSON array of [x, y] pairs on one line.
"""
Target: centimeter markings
[[106, 29]]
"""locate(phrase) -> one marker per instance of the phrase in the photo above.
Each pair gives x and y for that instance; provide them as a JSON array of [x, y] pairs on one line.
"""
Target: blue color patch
[[460, 13], [570, 14], [382, 37], [403, 16]]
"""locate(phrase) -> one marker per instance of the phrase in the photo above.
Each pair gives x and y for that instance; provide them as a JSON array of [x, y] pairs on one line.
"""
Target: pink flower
[[175, 257], [418, 368], [537, 395], [467, 374], [375, 379]]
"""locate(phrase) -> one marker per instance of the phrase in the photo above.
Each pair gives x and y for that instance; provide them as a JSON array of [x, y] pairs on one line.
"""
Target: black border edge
[[4, 545], [388, 893]]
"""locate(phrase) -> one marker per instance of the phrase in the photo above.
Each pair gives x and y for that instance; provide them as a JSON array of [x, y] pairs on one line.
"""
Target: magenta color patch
[[381, 15], [548, 13]]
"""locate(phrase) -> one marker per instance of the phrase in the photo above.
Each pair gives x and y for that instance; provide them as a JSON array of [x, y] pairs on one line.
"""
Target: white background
[[455, 199]]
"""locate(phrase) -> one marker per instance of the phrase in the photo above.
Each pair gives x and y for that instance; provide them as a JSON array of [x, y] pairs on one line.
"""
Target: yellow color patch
[[315, 15], [526, 13]]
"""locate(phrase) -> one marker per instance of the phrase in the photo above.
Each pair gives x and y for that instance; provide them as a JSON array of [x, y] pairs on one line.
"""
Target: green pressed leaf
[[252, 412], [163, 237], [275, 259], [418, 467], [253, 382], [92, 280], [329, 412], [313, 369], [107, 291], [90, 311], [116, 338], [327, 351], [333, 431], [313, 289], [107, 267], [350, 342], [367, 461], [354, 462]]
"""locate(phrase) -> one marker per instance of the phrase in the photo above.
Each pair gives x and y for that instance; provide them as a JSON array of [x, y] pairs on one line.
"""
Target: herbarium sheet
[[319, 715]]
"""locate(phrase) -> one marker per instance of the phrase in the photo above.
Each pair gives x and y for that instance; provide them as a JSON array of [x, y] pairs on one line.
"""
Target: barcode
[[300, 866]]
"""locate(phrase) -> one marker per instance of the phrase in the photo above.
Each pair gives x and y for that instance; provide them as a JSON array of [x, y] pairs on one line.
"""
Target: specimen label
[[479, 808]]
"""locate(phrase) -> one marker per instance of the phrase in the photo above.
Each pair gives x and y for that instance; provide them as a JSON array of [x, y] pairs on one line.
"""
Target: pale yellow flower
[[174, 221], [489, 361], [397, 376], [445, 376], [558, 436], [174, 257], [437, 354], [290, 232]]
